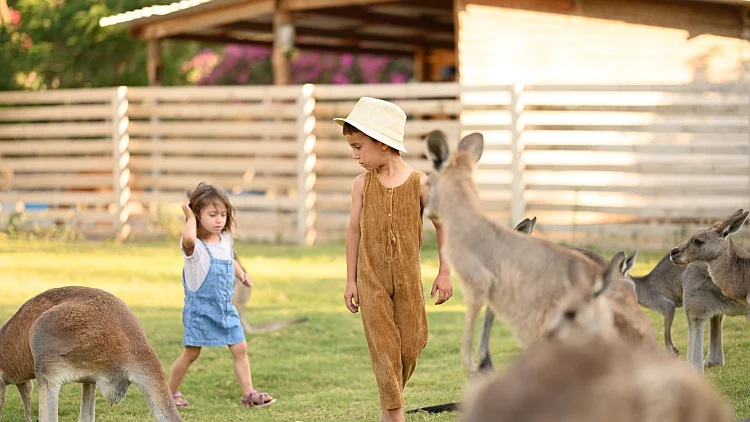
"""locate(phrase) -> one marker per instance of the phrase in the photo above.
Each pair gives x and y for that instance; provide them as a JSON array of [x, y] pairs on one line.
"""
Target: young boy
[[383, 242]]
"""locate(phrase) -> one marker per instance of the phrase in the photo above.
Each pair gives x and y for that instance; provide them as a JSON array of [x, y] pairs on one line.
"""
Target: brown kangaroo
[[521, 277], [84, 335]]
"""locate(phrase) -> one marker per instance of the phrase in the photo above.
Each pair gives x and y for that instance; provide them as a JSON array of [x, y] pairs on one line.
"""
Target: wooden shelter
[[487, 41], [423, 29]]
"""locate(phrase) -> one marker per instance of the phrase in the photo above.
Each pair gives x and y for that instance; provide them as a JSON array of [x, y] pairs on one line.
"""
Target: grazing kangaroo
[[85, 335], [521, 277], [712, 251], [594, 380]]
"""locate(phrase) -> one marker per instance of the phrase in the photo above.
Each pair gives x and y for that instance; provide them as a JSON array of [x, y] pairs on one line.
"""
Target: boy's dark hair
[[350, 129], [205, 195]]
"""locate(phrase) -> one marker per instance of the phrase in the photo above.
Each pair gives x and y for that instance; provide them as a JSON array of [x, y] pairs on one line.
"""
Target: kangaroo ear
[[526, 226], [473, 143], [437, 148], [733, 223], [607, 274], [628, 264]]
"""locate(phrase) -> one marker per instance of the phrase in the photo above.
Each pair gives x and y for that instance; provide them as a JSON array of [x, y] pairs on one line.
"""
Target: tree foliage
[[59, 44]]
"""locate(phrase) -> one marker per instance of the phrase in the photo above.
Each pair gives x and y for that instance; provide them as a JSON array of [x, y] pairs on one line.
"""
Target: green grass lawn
[[318, 371]]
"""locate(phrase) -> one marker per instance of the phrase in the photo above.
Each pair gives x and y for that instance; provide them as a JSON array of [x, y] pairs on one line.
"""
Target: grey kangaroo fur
[[727, 266], [498, 266], [242, 295], [527, 226], [84, 335], [666, 287], [594, 380]]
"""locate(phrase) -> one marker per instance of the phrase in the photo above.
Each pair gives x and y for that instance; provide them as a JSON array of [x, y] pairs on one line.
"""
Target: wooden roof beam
[[187, 23], [362, 14], [343, 35], [222, 39], [294, 5]]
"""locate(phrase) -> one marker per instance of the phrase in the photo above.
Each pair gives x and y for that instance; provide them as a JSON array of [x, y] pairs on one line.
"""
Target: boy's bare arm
[[443, 283], [351, 296]]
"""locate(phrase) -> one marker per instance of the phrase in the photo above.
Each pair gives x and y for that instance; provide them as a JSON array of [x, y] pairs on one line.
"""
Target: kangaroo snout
[[675, 257]]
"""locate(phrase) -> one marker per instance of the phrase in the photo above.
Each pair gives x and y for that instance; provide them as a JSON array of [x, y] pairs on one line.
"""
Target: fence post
[[518, 186], [120, 159], [306, 166]]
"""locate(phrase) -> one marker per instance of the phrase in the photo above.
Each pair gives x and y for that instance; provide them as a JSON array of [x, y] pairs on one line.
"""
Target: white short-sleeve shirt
[[196, 265]]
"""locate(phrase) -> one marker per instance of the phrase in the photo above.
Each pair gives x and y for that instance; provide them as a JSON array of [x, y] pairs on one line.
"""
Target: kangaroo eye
[[570, 314], [698, 242]]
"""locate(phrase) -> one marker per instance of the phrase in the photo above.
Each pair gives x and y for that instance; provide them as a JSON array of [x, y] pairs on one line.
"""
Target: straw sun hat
[[378, 119]]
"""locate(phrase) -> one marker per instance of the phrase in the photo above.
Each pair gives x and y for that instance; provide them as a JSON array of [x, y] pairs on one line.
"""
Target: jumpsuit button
[[389, 216], [393, 240], [389, 191]]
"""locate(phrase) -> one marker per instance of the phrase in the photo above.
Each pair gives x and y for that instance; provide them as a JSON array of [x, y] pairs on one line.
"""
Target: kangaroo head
[[450, 171], [580, 314], [709, 244]]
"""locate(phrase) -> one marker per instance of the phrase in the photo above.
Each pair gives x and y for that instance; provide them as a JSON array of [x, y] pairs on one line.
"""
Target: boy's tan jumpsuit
[[389, 283]]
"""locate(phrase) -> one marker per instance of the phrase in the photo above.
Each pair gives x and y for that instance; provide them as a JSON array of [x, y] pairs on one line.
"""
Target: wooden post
[[283, 42], [306, 166], [154, 63], [120, 159], [518, 186], [419, 64]]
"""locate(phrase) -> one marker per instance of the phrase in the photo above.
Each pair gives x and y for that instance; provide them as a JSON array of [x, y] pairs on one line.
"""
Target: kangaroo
[[85, 335], [527, 226], [594, 379], [665, 288], [600, 310], [519, 276], [712, 252]]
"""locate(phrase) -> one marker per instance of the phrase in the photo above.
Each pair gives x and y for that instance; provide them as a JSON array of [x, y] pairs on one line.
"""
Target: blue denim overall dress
[[209, 317]]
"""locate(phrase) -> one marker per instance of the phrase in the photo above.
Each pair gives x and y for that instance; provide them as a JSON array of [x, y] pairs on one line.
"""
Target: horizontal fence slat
[[55, 130], [214, 93], [58, 198], [51, 181], [57, 147], [218, 129], [218, 165], [216, 146], [206, 111], [59, 112], [64, 96], [55, 164]]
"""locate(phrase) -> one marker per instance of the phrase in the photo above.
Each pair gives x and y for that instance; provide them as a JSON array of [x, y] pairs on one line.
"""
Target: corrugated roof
[[158, 12]]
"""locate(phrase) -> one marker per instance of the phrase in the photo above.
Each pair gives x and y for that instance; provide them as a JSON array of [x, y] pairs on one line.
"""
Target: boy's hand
[[246, 279], [444, 285], [351, 297], [187, 210]]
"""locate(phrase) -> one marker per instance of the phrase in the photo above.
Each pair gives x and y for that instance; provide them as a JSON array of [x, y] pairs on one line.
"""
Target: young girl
[[209, 317], [383, 242]]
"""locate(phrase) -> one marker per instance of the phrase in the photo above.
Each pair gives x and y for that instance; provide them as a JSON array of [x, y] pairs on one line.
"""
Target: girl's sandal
[[256, 399], [179, 401]]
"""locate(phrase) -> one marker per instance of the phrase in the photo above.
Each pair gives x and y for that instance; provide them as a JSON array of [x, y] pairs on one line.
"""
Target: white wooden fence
[[644, 164]]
